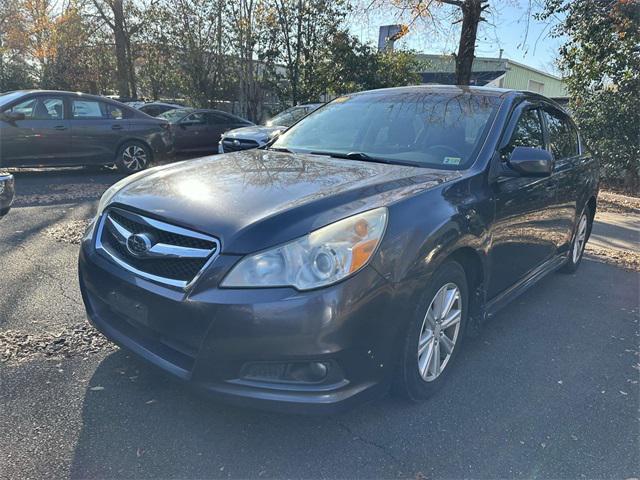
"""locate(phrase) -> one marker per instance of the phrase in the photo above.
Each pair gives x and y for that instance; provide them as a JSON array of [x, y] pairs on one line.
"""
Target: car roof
[[445, 89], [73, 94], [164, 104]]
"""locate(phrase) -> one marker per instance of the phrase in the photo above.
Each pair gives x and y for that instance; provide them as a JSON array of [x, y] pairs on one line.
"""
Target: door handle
[[116, 127], [60, 127]]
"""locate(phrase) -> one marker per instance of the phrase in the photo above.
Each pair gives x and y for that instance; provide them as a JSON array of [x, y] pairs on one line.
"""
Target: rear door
[[97, 130], [569, 168], [523, 230], [42, 138], [220, 123]]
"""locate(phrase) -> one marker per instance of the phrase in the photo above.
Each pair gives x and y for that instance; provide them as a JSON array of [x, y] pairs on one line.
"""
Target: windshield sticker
[[452, 160]]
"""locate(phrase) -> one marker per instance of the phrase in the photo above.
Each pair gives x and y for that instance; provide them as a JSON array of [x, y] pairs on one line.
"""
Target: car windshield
[[417, 126], [175, 114], [287, 118]]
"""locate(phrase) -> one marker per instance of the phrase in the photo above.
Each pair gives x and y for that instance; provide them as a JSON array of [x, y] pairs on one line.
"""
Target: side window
[[563, 139], [217, 119], [50, 109], [86, 109], [27, 108], [195, 119], [528, 133], [114, 113], [41, 108]]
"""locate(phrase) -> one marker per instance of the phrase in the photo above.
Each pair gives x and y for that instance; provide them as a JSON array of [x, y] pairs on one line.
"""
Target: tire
[[580, 237], [417, 377], [132, 157]]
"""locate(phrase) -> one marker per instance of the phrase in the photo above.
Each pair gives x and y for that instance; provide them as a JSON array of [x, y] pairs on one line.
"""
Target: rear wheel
[[132, 157], [434, 334], [578, 244]]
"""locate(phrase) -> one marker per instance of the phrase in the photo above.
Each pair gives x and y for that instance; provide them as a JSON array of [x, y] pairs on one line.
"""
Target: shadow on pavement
[[535, 395]]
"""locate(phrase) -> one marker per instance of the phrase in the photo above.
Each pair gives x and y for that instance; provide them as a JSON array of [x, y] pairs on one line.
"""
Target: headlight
[[320, 258]]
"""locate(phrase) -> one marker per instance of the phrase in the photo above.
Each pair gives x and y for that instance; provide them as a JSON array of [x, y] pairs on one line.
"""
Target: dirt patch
[[617, 203], [68, 232], [620, 258], [16, 346]]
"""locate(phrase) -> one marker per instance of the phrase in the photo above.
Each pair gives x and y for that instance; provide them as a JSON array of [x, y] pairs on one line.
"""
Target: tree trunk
[[122, 62], [471, 17]]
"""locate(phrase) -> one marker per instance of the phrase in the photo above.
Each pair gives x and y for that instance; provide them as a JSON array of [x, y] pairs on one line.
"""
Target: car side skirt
[[501, 300]]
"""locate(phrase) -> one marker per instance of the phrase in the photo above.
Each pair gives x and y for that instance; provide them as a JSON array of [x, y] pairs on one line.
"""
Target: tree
[[352, 66], [304, 28], [601, 65], [251, 24], [15, 72], [120, 18], [196, 31], [469, 12]]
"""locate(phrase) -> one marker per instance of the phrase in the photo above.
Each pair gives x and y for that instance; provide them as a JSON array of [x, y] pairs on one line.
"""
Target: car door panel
[[191, 133], [97, 130], [568, 170], [525, 223], [43, 138]]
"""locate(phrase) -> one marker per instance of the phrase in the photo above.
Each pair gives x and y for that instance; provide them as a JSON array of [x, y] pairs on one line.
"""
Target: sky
[[510, 27]]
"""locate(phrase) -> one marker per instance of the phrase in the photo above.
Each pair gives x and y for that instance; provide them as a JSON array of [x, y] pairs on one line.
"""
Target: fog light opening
[[311, 372], [298, 372]]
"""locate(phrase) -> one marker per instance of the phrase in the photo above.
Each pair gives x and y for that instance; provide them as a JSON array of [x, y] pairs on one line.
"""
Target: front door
[[41, 138], [192, 133], [524, 210]]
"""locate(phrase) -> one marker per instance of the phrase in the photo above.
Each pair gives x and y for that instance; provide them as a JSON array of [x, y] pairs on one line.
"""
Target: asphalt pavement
[[549, 389]]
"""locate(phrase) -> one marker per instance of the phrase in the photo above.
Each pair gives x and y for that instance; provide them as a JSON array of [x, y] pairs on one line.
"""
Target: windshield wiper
[[367, 158], [279, 149]]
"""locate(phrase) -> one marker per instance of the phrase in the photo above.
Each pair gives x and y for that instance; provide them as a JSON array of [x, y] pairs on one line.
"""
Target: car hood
[[256, 132], [255, 199]]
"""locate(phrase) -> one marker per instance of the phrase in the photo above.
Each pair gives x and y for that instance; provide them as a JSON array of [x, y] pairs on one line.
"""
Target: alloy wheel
[[439, 332], [581, 236], [134, 158]]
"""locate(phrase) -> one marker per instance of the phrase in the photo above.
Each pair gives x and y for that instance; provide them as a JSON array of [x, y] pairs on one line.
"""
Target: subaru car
[[349, 257], [7, 192], [259, 135]]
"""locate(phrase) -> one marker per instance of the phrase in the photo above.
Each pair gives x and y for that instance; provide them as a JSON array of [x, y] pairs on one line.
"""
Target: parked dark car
[[52, 129], [199, 130], [256, 136], [7, 191], [351, 255], [156, 108]]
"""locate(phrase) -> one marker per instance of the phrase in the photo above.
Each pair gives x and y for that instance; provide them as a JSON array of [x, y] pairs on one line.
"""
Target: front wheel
[[434, 334], [132, 157], [578, 244]]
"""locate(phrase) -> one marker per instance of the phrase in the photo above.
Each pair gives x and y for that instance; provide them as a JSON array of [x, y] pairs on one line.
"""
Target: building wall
[[518, 78]]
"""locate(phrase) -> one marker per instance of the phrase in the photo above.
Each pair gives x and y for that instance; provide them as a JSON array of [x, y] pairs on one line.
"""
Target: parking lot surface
[[548, 390]]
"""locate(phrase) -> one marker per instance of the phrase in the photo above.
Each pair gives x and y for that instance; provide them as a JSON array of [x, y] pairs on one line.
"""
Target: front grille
[[169, 254], [237, 144]]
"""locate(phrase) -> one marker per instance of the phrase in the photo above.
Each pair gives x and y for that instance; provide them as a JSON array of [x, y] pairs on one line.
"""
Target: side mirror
[[13, 116], [531, 162]]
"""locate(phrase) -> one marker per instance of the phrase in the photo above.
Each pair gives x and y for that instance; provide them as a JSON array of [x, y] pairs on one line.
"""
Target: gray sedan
[[41, 128]]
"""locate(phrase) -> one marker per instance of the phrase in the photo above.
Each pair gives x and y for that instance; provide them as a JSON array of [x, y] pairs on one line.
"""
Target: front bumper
[[206, 336]]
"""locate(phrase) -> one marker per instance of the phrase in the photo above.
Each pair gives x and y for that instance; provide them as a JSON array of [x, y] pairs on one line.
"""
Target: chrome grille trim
[[159, 250]]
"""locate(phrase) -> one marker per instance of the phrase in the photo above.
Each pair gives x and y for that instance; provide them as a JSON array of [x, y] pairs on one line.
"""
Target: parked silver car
[[7, 191], [258, 135]]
